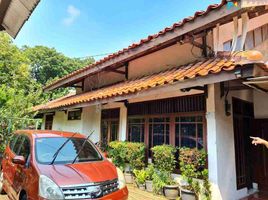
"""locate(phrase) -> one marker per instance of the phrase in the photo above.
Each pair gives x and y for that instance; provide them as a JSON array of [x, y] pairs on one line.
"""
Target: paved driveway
[[3, 197]]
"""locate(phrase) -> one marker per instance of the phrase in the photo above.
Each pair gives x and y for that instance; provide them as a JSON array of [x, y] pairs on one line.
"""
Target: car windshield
[[47, 147]]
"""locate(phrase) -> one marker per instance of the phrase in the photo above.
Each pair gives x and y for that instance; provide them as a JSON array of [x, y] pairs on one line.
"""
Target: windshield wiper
[[82, 147], [59, 149]]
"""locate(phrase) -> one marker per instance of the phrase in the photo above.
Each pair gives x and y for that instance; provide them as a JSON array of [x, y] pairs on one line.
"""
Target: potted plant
[[135, 154], [164, 184], [192, 167], [140, 177], [128, 156], [149, 177], [171, 188]]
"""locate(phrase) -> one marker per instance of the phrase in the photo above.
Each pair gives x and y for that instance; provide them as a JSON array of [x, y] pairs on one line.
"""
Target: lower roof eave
[[189, 83]]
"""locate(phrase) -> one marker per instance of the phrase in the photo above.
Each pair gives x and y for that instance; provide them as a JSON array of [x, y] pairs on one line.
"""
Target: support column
[[123, 123], [212, 142], [91, 117]]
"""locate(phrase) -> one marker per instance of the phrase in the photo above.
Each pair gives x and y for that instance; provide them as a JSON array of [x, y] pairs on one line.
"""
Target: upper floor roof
[[193, 25]]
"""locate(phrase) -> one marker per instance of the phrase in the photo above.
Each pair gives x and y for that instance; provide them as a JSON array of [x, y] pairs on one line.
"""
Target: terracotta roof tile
[[224, 62], [145, 40]]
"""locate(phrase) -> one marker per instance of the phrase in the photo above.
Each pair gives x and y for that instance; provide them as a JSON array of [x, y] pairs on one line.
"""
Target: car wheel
[[1, 182], [24, 197]]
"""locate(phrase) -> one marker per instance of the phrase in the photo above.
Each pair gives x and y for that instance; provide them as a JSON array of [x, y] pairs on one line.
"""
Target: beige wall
[[102, 79], [260, 105], [173, 56]]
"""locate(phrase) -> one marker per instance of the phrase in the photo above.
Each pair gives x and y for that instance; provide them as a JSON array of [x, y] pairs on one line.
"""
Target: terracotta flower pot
[[171, 191], [149, 186], [129, 178], [187, 194]]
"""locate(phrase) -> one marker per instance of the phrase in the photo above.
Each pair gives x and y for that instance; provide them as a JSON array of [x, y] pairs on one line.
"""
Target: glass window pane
[[114, 130], [199, 118], [188, 135], [177, 135], [136, 130], [187, 119], [177, 119], [18, 144], [200, 140], [25, 148], [47, 147], [104, 132]]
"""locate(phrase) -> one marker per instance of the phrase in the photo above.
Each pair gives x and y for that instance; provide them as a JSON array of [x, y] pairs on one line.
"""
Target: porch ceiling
[[259, 83], [14, 13], [201, 68]]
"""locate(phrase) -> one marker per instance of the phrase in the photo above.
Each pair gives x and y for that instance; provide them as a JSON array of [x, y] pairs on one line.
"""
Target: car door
[[20, 170], [9, 166], [6, 167]]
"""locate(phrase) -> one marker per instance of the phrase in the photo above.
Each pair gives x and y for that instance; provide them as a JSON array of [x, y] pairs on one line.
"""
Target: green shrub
[[2, 148], [164, 158], [117, 151], [140, 176], [192, 165], [131, 153], [135, 155], [150, 172]]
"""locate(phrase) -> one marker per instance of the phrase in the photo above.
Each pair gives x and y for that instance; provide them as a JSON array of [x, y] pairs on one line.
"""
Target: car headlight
[[121, 179], [48, 189]]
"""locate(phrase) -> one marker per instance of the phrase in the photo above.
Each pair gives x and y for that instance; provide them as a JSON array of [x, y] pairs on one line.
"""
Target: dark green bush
[[131, 153], [164, 158]]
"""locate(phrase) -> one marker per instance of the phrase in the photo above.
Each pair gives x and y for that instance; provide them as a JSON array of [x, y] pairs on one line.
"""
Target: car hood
[[79, 173]]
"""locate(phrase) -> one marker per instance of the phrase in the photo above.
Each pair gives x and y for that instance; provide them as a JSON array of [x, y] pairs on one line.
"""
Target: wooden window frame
[[77, 114], [172, 125], [109, 121]]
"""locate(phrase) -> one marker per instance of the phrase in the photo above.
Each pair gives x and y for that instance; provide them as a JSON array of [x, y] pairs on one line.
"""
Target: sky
[[81, 28]]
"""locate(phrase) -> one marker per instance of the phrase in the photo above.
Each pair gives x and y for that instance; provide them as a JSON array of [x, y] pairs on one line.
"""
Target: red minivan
[[46, 165]]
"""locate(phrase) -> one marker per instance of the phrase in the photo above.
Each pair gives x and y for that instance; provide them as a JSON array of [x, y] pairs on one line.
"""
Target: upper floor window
[[74, 115], [253, 39]]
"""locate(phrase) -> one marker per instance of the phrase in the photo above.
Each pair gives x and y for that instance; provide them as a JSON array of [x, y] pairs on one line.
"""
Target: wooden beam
[[126, 71], [4, 4], [116, 71]]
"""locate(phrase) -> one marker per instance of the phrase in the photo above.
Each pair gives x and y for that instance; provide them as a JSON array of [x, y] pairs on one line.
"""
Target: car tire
[[24, 197], [1, 183]]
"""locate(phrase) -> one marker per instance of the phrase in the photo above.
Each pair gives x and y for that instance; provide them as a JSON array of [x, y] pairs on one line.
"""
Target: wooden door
[[243, 128], [260, 155], [49, 122]]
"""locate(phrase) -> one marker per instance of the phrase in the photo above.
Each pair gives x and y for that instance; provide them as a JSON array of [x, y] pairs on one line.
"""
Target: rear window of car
[[46, 149]]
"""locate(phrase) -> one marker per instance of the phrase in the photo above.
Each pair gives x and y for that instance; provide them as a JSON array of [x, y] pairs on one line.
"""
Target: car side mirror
[[105, 154], [20, 160]]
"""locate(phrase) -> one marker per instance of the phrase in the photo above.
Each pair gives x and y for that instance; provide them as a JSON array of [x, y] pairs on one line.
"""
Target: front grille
[[90, 191]]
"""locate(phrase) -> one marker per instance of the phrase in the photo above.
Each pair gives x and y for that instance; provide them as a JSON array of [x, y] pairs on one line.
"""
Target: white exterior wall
[[221, 151], [90, 120]]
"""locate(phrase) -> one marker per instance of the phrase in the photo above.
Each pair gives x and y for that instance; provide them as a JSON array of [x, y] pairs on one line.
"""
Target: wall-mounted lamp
[[238, 73]]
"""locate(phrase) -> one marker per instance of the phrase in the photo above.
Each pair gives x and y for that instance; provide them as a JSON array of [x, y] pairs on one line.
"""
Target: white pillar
[[123, 123], [212, 142], [91, 117]]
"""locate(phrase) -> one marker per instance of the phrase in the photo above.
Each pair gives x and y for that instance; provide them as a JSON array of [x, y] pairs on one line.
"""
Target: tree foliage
[[23, 73]]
